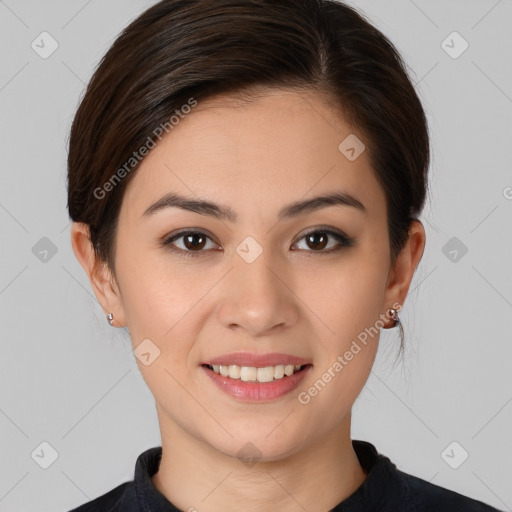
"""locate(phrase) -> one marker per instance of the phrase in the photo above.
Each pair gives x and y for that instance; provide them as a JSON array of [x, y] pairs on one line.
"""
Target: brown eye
[[317, 241], [194, 241], [191, 242]]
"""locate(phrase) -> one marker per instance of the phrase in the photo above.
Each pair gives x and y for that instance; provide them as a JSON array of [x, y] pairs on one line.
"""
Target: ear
[[102, 280], [400, 276]]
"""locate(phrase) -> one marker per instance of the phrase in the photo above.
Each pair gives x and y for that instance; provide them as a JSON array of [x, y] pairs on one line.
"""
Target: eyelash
[[344, 242]]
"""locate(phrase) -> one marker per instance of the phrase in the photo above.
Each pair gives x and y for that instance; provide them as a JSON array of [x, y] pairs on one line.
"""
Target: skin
[[255, 158]]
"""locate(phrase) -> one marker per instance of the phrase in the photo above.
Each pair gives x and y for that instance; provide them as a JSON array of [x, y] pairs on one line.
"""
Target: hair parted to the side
[[182, 49]]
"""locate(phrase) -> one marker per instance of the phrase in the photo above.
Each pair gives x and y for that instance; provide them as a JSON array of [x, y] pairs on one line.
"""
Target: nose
[[256, 297]]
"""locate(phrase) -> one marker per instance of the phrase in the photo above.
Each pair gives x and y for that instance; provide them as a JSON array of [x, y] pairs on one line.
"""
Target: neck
[[194, 475]]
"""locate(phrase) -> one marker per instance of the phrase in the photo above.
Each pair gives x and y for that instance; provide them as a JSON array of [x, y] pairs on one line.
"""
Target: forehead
[[244, 150]]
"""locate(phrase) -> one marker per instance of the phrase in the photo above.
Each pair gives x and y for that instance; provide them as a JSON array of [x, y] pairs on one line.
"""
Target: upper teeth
[[253, 374]]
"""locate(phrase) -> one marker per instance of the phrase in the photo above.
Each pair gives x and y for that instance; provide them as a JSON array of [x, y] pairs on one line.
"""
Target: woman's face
[[253, 284]]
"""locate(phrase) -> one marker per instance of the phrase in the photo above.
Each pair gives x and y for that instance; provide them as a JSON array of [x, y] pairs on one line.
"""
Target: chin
[[265, 441]]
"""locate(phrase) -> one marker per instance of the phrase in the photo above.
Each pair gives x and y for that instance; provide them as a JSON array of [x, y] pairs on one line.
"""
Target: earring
[[395, 317], [110, 318]]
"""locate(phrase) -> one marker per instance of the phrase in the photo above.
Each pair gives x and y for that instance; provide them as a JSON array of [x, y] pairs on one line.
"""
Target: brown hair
[[182, 49]]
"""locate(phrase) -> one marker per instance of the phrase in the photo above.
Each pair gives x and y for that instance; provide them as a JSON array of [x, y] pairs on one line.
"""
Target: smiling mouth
[[255, 374]]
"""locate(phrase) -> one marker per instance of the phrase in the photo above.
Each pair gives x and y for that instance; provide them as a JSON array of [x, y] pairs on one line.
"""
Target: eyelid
[[325, 229], [185, 231]]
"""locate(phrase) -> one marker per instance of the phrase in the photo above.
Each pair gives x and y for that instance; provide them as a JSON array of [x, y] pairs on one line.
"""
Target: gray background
[[70, 380]]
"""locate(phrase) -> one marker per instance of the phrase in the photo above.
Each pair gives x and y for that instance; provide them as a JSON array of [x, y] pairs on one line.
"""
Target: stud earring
[[394, 317], [110, 318]]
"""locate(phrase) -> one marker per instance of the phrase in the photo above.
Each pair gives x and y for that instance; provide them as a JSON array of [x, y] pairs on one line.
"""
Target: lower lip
[[257, 391]]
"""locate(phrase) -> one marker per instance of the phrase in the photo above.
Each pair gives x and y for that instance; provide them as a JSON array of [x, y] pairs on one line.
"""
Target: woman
[[245, 180]]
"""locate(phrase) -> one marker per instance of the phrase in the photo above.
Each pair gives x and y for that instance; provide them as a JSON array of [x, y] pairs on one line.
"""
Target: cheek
[[346, 357], [348, 298], [155, 294], [351, 308]]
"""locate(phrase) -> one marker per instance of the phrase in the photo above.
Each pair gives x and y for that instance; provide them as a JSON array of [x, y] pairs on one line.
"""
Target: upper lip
[[257, 360]]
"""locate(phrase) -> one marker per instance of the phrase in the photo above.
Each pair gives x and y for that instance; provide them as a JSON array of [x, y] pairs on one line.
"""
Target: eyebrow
[[221, 212]]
